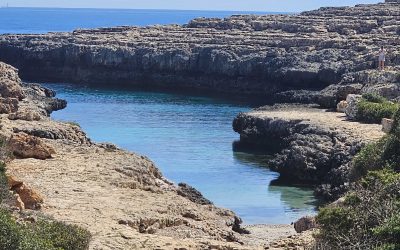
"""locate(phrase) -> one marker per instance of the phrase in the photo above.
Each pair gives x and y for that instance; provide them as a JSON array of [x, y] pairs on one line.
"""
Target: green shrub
[[396, 125], [374, 112], [370, 97], [369, 158], [390, 229], [42, 235], [3, 183], [9, 231], [63, 236], [379, 155], [368, 219]]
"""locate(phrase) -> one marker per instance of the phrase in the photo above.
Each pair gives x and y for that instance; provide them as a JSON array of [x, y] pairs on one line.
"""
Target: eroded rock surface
[[313, 145], [258, 55], [120, 197]]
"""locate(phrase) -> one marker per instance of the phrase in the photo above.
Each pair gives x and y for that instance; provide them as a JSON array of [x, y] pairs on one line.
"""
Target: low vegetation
[[44, 234], [369, 218], [373, 108]]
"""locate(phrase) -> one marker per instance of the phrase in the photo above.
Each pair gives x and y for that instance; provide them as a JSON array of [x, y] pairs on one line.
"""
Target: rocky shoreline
[[275, 57], [315, 146], [120, 197]]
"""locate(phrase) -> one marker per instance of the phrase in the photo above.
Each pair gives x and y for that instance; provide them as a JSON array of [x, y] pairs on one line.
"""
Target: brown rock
[[304, 224], [17, 202], [341, 107], [27, 146], [12, 182], [10, 83], [30, 198]]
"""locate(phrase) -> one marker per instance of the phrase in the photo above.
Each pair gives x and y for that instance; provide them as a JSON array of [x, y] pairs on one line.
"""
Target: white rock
[[352, 109]]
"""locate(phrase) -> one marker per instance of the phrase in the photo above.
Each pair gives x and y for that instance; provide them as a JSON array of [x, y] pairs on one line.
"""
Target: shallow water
[[190, 139]]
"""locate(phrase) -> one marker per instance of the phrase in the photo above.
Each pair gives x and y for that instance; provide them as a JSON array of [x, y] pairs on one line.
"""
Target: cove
[[190, 139]]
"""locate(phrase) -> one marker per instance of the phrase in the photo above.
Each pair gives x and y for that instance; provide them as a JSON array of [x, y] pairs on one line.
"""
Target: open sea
[[188, 137]]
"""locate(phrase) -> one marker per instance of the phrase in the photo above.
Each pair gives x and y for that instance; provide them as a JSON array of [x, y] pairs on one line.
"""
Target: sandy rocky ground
[[120, 197], [334, 121]]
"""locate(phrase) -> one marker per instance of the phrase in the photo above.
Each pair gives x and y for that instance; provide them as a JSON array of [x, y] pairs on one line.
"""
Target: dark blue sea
[[188, 137], [42, 20]]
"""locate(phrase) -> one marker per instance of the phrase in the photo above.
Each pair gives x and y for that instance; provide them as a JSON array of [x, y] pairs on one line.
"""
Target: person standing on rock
[[382, 58]]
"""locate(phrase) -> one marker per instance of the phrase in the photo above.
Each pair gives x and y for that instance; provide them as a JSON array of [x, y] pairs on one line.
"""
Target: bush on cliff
[[369, 217], [384, 153], [44, 234], [373, 108]]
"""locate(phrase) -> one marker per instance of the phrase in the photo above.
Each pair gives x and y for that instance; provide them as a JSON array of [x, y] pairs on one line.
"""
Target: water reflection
[[190, 140], [296, 199]]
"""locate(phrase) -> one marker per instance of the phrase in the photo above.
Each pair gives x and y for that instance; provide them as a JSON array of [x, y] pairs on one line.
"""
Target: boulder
[[27, 146], [387, 125], [305, 223], [341, 107], [10, 84], [15, 201], [24, 197], [30, 198], [352, 109], [13, 182]]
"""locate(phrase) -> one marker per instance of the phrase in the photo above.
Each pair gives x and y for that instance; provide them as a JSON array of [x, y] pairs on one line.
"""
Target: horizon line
[[155, 9]]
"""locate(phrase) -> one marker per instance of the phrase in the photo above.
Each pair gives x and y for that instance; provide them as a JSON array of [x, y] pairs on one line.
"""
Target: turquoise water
[[42, 20], [190, 139]]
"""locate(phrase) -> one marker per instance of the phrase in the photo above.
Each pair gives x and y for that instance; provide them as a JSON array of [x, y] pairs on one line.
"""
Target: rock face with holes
[[258, 55]]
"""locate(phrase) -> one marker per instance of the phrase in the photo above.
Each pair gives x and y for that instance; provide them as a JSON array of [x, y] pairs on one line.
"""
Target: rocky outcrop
[[25, 196], [304, 224], [258, 55], [26, 146], [314, 146], [192, 194]]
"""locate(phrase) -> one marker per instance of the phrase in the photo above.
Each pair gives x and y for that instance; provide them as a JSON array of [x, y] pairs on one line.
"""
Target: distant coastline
[[20, 20]]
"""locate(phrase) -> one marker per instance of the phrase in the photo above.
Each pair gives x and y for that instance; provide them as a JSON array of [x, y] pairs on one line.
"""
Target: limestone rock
[[257, 55], [25, 196], [13, 182], [342, 106], [17, 202], [8, 105], [10, 83], [351, 110], [387, 125], [309, 145], [30, 198], [26, 146], [304, 224], [25, 115], [192, 194]]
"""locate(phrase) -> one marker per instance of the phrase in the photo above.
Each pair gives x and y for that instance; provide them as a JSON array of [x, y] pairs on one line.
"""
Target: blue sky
[[251, 5]]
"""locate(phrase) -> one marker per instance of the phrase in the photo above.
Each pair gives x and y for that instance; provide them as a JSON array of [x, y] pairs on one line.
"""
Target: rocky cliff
[[244, 54], [311, 145], [120, 197]]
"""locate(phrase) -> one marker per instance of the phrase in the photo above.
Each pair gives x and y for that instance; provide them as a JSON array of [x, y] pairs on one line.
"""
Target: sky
[[240, 5]]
